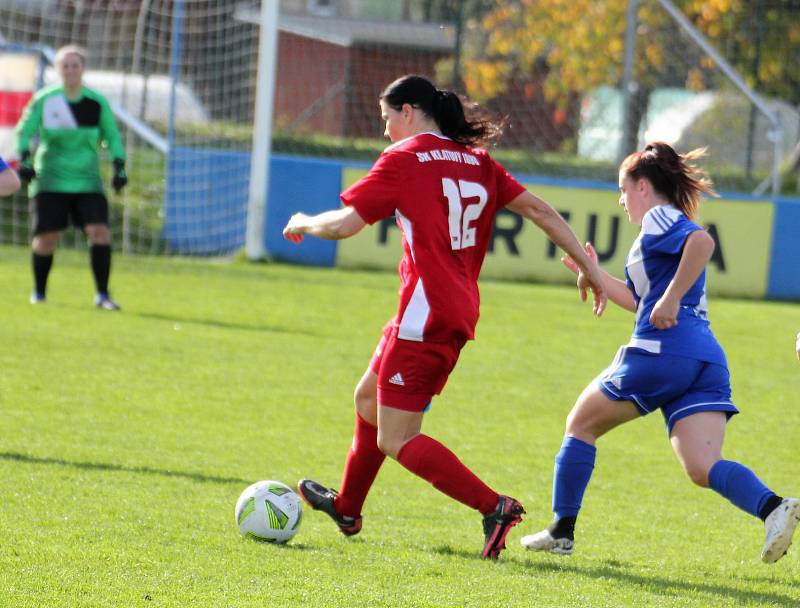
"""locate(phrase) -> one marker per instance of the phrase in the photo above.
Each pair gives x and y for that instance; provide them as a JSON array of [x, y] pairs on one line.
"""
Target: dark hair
[[671, 174], [445, 108]]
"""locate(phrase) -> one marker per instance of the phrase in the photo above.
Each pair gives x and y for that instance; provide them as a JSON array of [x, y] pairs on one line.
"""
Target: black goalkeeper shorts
[[52, 211]]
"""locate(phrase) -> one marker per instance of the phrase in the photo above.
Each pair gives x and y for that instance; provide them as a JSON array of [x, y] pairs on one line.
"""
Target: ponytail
[[671, 174], [445, 108]]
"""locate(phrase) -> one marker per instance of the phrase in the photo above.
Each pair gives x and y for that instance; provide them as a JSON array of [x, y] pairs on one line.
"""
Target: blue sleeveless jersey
[[651, 265]]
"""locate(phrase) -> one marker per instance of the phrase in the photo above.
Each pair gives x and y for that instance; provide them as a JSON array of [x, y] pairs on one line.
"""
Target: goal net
[[180, 77]]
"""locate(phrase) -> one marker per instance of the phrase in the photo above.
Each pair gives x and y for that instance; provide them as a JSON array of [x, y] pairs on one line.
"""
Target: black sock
[[101, 266], [771, 504], [563, 528], [41, 268]]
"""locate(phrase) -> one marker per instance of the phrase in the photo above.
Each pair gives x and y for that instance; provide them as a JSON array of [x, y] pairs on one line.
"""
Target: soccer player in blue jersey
[[672, 362], [9, 182]]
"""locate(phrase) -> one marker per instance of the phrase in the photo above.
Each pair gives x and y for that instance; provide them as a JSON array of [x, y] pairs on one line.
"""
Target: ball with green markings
[[268, 511]]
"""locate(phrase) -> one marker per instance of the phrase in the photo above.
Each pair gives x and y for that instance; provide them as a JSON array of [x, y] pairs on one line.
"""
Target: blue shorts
[[678, 386]]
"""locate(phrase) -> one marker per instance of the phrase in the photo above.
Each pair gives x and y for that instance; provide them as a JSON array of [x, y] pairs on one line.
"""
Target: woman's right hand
[[295, 229], [591, 279], [570, 263]]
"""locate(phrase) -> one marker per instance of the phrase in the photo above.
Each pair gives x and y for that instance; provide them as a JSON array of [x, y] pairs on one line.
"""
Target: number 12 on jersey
[[460, 216]]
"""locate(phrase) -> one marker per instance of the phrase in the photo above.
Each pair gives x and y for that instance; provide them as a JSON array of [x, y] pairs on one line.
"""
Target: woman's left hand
[[665, 313]]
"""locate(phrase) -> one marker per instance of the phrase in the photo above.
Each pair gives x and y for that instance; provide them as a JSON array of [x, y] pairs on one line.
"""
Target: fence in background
[[183, 73]]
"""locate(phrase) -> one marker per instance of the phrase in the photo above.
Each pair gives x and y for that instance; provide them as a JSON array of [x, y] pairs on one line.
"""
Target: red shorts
[[411, 373]]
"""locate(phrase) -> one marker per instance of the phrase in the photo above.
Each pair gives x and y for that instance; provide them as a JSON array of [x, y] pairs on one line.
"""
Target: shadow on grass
[[273, 329], [615, 570], [102, 466], [287, 546], [295, 547]]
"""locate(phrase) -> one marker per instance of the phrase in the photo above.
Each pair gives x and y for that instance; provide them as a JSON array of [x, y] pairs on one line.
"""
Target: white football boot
[[780, 525], [544, 541], [104, 302]]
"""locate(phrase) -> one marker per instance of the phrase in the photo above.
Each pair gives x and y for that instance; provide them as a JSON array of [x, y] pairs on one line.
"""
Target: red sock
[[432, 461], [360, 468]]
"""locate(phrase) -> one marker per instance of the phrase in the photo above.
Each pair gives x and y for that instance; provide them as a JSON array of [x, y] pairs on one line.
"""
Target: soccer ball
[[268, 511]]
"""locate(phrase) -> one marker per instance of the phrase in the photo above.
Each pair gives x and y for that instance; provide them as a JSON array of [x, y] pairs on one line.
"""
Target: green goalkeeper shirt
[[70, 131]]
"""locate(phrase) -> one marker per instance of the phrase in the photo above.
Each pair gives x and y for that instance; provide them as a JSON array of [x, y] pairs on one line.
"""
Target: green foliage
[[518, 160], [127, 438], [581, 42], [760, 35]]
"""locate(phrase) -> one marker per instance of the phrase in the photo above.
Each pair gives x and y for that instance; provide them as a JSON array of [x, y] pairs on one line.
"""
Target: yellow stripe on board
[[742, 230]]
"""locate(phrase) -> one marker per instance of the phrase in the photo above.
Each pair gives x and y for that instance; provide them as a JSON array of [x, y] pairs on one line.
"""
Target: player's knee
[[363, 397], [98, 234], [45, 244], [698, 473], [571, 424], [366, 403], [579, 428], [389, 445]]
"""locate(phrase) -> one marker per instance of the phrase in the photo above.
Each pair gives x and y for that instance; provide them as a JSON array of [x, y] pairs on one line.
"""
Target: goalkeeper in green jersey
[[64, 172]]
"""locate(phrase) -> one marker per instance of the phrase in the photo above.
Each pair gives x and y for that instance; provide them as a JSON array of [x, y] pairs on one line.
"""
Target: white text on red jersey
[[451, 155]]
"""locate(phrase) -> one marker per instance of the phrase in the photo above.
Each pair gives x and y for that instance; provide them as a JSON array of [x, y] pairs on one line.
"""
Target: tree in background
[[578, 45]]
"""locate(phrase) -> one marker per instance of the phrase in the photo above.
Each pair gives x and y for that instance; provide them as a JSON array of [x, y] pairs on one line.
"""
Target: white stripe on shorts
[[687, 407], [651, 346], [615, 364], [641, 404]]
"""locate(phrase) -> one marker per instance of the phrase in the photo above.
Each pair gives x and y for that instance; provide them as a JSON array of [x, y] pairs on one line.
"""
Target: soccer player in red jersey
[[444, 194]]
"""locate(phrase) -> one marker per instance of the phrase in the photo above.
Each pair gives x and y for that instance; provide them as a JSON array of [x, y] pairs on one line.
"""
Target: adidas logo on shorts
[[397, 379]]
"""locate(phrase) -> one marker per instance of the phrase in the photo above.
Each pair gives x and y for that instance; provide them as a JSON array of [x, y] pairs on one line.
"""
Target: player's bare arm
[[331, 225], [696, 254], [556, 228], [9, 182]]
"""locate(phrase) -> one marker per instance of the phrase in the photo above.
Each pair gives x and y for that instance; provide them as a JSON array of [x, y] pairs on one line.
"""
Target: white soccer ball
[[268, 511]]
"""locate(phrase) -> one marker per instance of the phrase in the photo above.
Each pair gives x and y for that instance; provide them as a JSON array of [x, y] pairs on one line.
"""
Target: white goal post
[[262, 130]]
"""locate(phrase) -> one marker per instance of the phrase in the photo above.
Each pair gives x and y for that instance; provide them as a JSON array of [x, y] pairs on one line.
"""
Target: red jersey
[[445, 197]]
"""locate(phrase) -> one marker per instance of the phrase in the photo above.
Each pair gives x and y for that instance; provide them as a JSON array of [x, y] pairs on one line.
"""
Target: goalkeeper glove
[[26, 171], [120, 178]]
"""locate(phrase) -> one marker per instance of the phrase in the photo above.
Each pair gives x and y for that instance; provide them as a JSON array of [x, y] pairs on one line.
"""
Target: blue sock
[[740, 485], [574, 465]]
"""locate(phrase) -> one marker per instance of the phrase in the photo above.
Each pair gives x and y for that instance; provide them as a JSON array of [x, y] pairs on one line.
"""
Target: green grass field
[[127, 438]]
